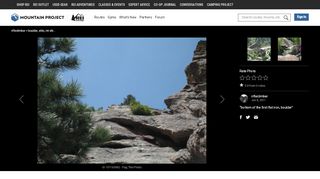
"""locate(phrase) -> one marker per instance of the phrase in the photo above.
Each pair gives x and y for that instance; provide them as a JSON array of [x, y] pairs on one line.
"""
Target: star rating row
[[254, 77]]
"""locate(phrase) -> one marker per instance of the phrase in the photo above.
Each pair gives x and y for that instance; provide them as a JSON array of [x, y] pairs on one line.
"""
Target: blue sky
[[150, 69]]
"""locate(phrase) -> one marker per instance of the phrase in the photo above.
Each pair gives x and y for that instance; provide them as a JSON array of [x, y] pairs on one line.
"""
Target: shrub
[[136, 107], [100, 135], [139, 109]]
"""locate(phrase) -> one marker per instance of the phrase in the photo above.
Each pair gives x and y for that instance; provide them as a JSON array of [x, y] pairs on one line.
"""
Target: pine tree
[[129, 100], [63, 121]]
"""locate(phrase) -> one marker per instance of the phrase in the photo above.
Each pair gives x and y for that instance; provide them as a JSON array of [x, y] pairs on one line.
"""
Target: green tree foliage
[[259, 49], [289, 45], [258, 42], [63, 121], [54, 53], [139, 109], [100, 135], [281, 49], [295, 40], [129, 100], [136, 107]]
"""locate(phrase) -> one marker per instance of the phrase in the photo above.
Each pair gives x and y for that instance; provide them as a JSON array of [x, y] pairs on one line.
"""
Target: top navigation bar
[[157, 4]]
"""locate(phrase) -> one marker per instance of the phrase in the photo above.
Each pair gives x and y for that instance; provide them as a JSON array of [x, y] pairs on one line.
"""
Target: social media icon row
[[248, 117]]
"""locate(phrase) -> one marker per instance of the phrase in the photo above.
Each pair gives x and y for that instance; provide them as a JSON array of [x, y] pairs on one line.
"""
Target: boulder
[[177, 127], [186, 104], [181, 157], [197, 143], [68, 159], [196, 151], [117, 144], [130, 155], [286, 43], [117, 110], [288, 57], [117, 131]]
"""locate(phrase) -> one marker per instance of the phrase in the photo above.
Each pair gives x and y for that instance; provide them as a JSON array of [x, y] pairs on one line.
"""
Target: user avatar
[[289, 49], [259, 49], [244, 98]]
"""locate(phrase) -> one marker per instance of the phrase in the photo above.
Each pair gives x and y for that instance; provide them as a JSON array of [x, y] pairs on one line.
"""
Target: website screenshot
[[218, 85]]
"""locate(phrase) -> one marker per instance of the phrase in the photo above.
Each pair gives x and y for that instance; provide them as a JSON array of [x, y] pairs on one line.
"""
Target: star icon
[[248, 77], [259, 77], [254, 77], [241, 77], [265, 77], [241, 84]]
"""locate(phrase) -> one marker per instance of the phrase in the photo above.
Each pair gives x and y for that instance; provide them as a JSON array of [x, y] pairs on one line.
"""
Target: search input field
[[264, 17]]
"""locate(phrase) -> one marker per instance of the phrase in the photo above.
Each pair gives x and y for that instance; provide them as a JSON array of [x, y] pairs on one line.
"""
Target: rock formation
[[192, 98], [177, 136], [197, 143], [289, 51]]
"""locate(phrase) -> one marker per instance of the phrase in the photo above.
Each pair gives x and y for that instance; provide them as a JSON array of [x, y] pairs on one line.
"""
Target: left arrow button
[[20, 99]]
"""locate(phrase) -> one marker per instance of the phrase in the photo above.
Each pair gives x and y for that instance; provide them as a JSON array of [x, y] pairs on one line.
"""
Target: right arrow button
[[222, 99]]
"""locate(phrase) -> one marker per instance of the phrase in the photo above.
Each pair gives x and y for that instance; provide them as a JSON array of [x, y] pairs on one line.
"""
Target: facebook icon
[[301, 17]]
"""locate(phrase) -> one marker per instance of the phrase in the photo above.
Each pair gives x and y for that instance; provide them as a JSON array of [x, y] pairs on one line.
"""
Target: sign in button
[[301, 17]]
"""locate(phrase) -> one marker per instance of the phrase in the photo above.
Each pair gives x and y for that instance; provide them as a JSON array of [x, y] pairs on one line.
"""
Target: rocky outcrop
[[289, 50], [117, 131], [176, 127], [140, 139], [197, 143], [175, 136], [129, 151], [288, 57], [196, 151], [133, 155], [196, 70], [68, 159], [192, 98], [181, 157]]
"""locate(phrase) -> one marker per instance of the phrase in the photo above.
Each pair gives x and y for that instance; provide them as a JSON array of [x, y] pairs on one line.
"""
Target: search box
[[264, 17]]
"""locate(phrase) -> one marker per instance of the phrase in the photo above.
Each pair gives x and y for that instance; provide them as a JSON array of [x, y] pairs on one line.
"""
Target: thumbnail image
[[289, 49], [259, 49], [114, 101]]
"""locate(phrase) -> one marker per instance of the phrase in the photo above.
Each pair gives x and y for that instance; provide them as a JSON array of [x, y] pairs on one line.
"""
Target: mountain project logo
[[14, 17]]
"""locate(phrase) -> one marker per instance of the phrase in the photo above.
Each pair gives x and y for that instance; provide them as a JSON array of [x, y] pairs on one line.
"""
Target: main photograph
[[122, 100]]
